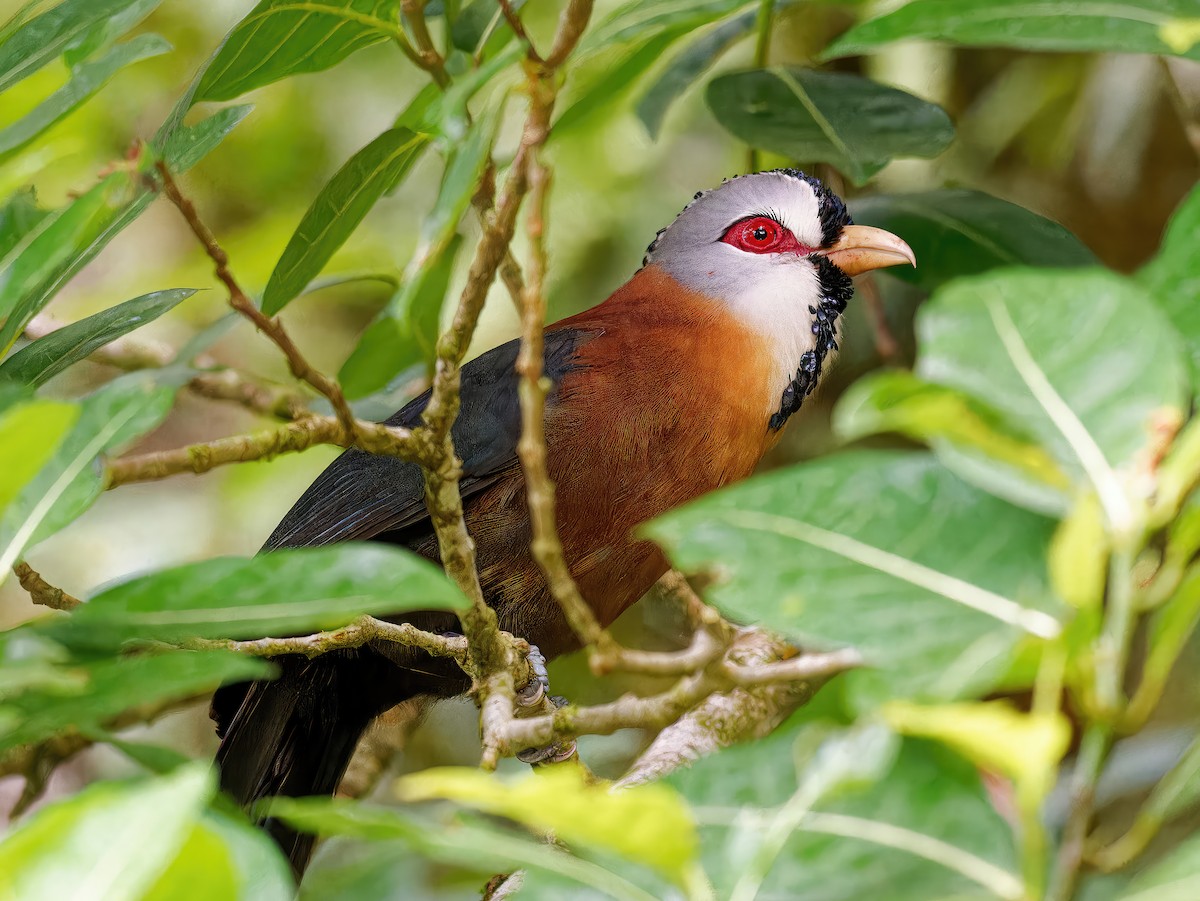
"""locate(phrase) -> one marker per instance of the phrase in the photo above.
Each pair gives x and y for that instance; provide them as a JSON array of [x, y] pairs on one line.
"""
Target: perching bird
[[673, 387]]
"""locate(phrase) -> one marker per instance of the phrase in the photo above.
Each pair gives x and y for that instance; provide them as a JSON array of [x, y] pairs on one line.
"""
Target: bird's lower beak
[[862, 248]]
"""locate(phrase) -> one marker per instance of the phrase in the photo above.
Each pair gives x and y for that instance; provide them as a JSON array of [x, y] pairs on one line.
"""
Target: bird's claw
[[553, 753], [532, 693]]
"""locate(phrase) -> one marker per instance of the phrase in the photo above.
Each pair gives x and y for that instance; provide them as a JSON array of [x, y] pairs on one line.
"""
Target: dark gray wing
[[361, 495]]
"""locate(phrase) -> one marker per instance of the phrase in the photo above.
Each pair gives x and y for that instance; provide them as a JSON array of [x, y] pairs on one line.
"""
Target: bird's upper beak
[[862, 248]]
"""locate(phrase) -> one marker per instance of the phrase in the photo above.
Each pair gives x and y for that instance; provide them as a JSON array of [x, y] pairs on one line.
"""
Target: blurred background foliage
[[1106, 144]]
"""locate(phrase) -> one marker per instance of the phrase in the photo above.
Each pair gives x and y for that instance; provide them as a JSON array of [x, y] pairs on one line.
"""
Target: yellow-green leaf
[[1079, 554]]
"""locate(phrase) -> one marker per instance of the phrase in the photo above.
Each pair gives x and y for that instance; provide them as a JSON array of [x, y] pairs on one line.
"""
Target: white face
[[770, 287]]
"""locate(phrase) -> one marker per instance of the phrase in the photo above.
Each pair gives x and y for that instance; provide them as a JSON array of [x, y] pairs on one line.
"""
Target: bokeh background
[[1100, 143]]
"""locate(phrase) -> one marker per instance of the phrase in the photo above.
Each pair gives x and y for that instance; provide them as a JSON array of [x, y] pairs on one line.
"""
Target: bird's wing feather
[[361, 496]]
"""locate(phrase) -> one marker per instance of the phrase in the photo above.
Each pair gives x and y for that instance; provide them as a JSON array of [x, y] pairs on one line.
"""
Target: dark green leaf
[[18, 217], [286, 592], [1174, 278], [878, 551], [86, 80], [1091, 402], [956, 232], [871, 844], [477, 21], [48, 356], [685, 69], [44, 37], [968, 437], [45, 258], [848, 121], [1145, 26], [338, 210], [277, 40], [66, 486], [109, 687]]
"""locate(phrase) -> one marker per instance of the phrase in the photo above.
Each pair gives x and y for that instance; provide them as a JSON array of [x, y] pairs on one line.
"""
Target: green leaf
[[66, 486], [44, 37], [338, 210], [850, 122], [879, 551], [969, 438], [109, 687], [406, 330], [44, 358], [477, 22], [182, 148], [638, 19], [1174, 877], [44, 259], [118, 837], [1073, 26], [647, 824], [687, 66], [1091, 402], [86, 80], [283, 37], [1174, 278], [926, 832], [30, 433], [285, 592], [227, 859], [956, 232], [106, 31], [18, 217]]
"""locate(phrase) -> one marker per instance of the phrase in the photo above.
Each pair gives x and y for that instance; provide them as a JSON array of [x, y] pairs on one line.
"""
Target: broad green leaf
[[227, 859], [106, 31], [111, 686], [406, 330], [1174, 877], [1027, 747], [925, 832], [1173, 277], [44, 358], [1144, 26], [338, 210], [68, 484], [968, 437], [637, 19], [30, 433], [44, 37], [110, 842], [852, 123], [86, 80], [283, 37], [880, 551], [42, 261], [1091, 401], [956, 232], [18, 217], [648, 824], [285, 592], [466, 844], [687, 66]]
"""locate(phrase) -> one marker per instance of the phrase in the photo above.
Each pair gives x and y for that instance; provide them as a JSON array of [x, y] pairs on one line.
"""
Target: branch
[[41, 591]]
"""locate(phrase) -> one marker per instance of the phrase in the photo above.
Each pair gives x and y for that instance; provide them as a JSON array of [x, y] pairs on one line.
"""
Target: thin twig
[[428, 57], [518, 27], [41, 591]]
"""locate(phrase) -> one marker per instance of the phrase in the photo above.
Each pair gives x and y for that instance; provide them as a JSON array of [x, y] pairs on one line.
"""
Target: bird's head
[[777, 249]]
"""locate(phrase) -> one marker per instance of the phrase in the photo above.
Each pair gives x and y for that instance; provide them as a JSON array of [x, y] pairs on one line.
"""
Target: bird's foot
[[532, 693], [553, 753]]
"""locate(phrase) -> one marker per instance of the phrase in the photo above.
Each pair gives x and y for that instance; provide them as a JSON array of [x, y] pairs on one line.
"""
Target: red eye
[[760, 234]]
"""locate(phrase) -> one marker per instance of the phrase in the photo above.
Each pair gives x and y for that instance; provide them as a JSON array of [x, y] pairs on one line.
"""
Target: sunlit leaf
[[338, 210], [1174, 278], [44, 358], [30, 433], [121, 836], [1078, 559], [44, 37], [968, 437], [283, 37], [852, 123], [86, 80], [647, 823], [1067, 25], [956, 232], [1174, 877], [879, 551], [286, 592]]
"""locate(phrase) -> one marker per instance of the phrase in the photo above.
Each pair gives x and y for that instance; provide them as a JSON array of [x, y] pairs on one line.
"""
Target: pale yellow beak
[[862, 248]]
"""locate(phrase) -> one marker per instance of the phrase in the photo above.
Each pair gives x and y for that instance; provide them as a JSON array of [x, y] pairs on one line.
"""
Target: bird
[[673, 387]]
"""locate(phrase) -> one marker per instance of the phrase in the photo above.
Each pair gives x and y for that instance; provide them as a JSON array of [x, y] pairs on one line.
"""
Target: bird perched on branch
[[673, 387]]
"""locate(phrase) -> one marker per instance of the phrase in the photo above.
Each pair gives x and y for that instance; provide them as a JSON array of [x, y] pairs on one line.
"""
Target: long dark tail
[[293, 736]]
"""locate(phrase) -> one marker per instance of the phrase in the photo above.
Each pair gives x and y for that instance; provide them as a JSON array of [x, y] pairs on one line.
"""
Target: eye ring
[[761, 234]]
